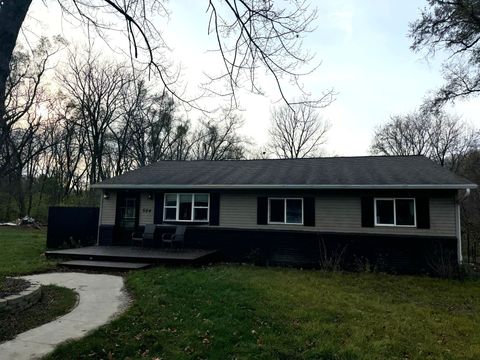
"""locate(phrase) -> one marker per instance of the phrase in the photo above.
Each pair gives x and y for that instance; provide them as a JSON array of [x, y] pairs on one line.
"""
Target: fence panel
[[72, 226]]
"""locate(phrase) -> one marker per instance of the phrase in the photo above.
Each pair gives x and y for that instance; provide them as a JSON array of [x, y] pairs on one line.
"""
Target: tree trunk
[[12, 14], [19, 193]]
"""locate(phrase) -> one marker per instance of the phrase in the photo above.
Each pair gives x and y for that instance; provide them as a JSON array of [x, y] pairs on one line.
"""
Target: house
[[397, 213]]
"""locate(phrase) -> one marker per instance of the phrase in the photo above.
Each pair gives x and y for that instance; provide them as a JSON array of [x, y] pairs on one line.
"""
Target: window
[[186, 207], [285, 211], [129, 208], [395, 212], [170, 212], [128, 213]]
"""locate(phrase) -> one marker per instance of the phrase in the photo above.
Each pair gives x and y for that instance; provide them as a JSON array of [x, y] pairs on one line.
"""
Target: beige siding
[[146, 209], [336, 214], [344, 214], [108, 210], [240, 211]]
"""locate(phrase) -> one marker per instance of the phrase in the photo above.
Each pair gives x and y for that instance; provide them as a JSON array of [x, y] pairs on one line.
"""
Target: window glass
[[187, 203], [277, 210], [385, 212], [405, 213], [185, 207], [170, 213], [200, 214], [171, 200], [294, 211], [129, 208], [201, 200]]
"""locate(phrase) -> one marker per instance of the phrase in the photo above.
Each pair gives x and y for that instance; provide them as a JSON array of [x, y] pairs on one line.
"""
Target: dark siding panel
[[262, 210], [309, 211], [388, 253], [423, 212], [158, 210], [106, 234], [367, 211], [214, 208]]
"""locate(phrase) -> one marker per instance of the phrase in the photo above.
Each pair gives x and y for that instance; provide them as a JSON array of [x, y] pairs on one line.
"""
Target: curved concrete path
[[101, 297]]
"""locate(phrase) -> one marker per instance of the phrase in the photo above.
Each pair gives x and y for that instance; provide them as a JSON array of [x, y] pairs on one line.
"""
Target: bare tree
[[452, 26], [444, 138], [95, 90], [451, 140], [24, 93], [156, 132], [258, 34], [297, 133], [219, 140], [22, 134], [404, 135], [252, 36], [66, 157]]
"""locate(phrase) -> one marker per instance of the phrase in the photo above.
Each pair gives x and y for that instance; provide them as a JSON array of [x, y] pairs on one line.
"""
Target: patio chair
[[177, 237], [148, 234]]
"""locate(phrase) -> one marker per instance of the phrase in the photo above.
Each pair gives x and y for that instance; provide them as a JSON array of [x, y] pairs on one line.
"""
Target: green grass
[[21, 251], [244, 312], [55, 301]]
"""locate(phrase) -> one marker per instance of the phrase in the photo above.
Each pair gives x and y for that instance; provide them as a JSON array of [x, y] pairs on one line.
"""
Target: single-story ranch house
[[398, 212]]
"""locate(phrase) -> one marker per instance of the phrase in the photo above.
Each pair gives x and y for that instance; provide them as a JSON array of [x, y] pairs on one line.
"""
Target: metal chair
[[148, 234], [177, 237]]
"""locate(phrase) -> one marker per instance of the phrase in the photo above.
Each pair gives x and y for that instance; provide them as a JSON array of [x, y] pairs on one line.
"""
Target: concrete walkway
[[101, 297]]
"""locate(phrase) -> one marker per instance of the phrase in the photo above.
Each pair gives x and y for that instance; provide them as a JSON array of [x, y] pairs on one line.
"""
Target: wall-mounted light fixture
[[106, 195], [150, 196]]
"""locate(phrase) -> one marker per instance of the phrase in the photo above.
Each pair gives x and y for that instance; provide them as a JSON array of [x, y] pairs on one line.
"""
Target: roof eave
[[281, 186]]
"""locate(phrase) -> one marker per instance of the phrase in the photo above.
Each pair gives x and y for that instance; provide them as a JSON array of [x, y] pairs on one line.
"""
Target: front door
[[127, 217]]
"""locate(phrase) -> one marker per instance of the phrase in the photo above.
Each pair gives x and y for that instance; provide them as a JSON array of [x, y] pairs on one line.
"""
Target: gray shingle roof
[[333, 172]]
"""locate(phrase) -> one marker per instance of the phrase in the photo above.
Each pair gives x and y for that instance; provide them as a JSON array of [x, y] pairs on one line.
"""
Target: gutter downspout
[[459, 225]]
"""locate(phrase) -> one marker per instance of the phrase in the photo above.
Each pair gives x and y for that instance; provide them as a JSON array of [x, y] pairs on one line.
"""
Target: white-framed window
[[285, 211], [395, 212], [186, 207]]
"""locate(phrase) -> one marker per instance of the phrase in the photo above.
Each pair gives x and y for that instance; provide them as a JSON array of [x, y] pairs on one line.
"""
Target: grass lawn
[[55, 301], [246, 312], [21, 251]]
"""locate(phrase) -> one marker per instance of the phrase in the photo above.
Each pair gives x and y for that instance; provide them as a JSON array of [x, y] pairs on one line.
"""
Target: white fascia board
[[281, 186]]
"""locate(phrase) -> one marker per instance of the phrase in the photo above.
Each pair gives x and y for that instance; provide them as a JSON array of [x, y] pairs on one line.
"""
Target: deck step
[[133, 254], [92, 264]]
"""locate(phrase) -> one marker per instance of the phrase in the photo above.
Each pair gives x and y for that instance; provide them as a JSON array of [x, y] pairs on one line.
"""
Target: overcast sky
[[365, 56]]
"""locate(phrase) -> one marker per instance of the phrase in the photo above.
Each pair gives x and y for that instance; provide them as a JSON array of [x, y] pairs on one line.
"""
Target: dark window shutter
[[262, 210], [423, 212], [214, 208], [309, 211], [158, 208], [367, 211]]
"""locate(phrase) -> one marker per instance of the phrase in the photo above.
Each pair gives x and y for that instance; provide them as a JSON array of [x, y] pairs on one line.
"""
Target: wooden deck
[[134, 254], [104, 265]]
